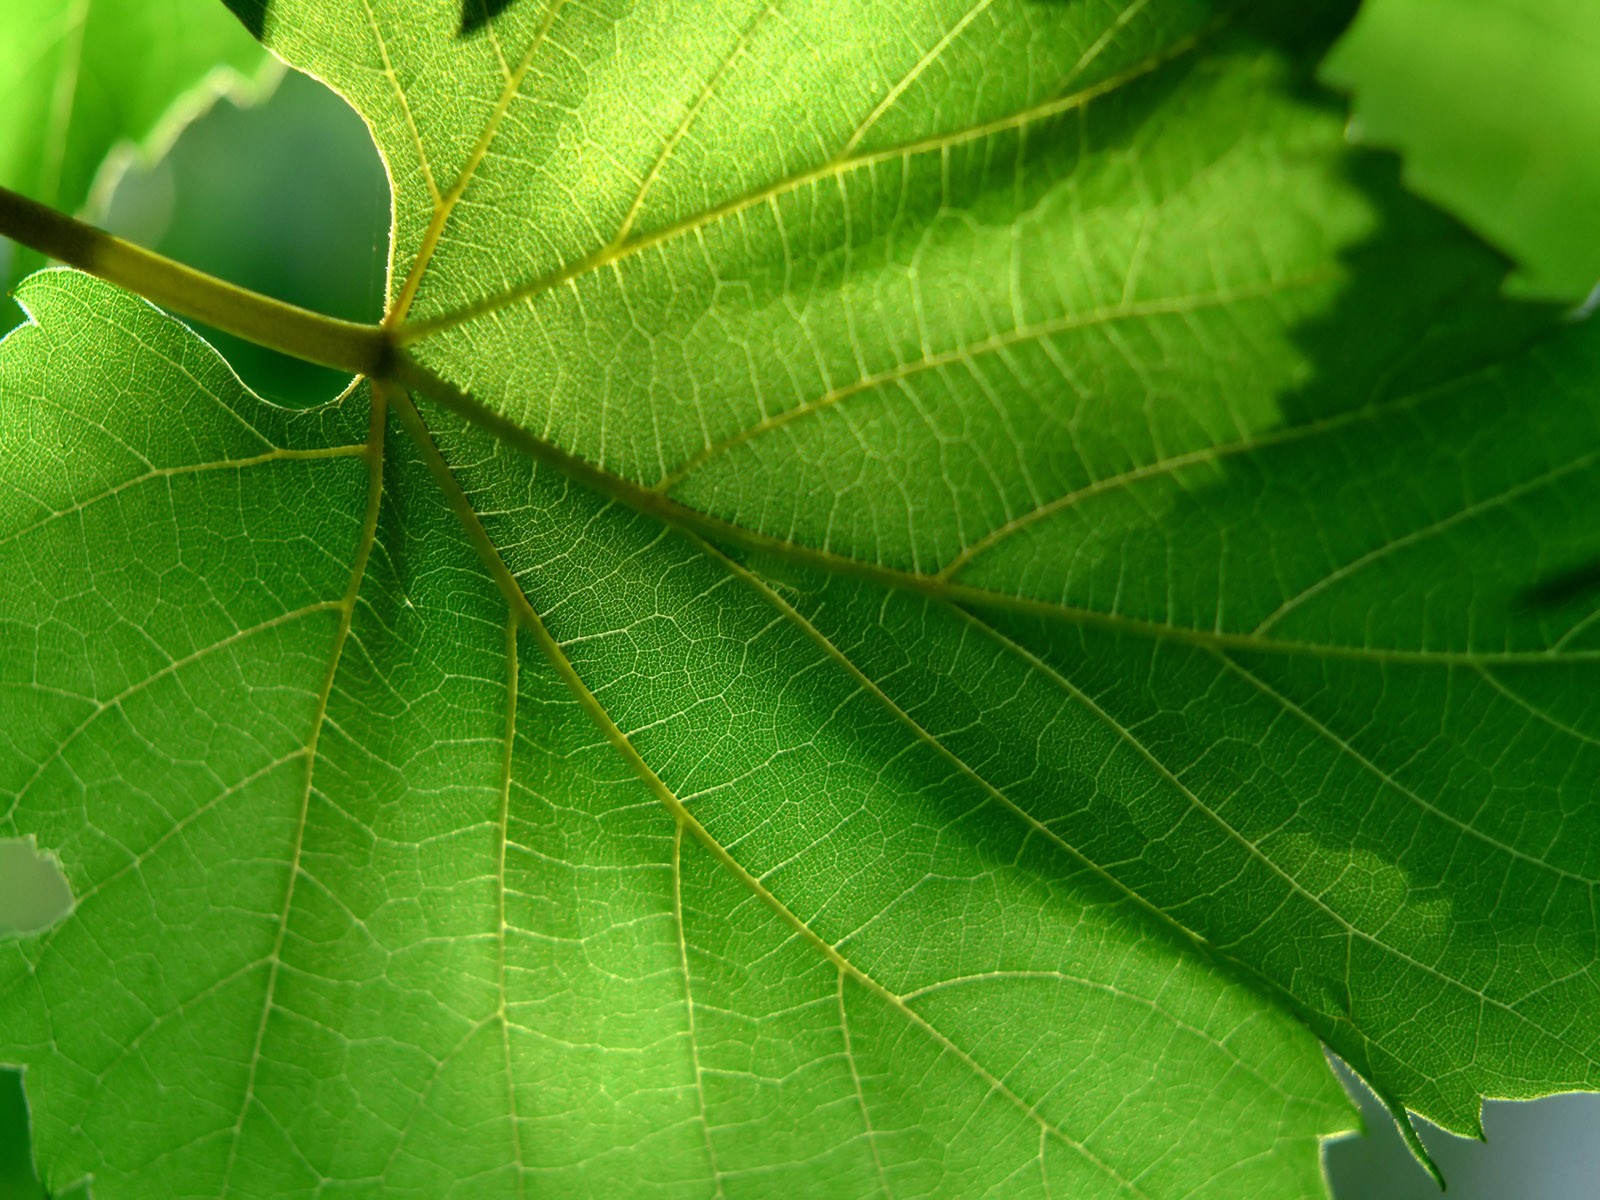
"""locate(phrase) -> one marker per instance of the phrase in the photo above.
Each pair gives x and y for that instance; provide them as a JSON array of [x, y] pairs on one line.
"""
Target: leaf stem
[[344, 345]]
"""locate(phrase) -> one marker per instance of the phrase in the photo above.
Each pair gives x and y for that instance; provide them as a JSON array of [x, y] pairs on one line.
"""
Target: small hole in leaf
[[33, 893]]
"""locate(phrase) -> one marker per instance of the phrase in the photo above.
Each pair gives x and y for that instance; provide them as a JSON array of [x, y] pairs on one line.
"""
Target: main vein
[[936, 585], [299, 332]]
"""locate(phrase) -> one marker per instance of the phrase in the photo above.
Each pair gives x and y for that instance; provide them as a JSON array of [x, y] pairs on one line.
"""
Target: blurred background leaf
[[90, 88], [1536, 1150], [1495, 107], [286, 198]]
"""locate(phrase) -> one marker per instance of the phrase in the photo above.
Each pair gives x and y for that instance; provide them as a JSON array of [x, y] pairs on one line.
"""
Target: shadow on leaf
[[476, 14], [1561, 588], [252, 13]]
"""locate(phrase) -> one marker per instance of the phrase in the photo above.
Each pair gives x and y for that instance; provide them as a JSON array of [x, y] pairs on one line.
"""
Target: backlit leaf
[[965, 586]]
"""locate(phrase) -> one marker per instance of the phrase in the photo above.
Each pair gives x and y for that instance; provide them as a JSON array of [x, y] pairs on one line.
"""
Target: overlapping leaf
[[976, 585]]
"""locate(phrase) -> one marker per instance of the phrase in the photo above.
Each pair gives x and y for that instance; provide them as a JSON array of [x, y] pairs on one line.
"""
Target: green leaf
[[966, 586], [81, 79], [1492, 103]]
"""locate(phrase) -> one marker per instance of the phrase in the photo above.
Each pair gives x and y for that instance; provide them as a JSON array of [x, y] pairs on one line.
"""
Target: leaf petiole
[[344, 345]]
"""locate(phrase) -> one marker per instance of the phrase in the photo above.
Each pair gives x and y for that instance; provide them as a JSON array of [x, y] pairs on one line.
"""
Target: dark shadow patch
[[253, 14], [476, 14], [1419, 309], [17, 1180], [1562, 588]]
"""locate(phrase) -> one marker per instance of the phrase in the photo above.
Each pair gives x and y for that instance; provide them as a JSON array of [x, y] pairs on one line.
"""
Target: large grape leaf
[[1499, 119], [966, 585]]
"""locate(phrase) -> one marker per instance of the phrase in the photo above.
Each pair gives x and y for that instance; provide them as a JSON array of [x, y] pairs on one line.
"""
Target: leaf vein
[[346, 608], [608, 256]]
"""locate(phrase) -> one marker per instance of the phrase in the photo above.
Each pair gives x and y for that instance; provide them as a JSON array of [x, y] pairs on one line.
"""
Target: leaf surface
[[451, 941], [934, 630]]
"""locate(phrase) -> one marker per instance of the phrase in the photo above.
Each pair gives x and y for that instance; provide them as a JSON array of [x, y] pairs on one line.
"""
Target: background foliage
[[1494, 120], [89, 88]]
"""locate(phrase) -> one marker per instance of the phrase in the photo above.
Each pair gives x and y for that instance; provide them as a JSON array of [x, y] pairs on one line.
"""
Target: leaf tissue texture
[[477, 956], [968, 588], [1497, 121]]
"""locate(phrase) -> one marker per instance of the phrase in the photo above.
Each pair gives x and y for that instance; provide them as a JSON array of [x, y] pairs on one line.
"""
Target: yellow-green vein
[[347, 607]]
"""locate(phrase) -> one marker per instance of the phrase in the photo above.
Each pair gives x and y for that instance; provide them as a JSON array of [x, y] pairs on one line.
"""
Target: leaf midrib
[[937, 586]]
